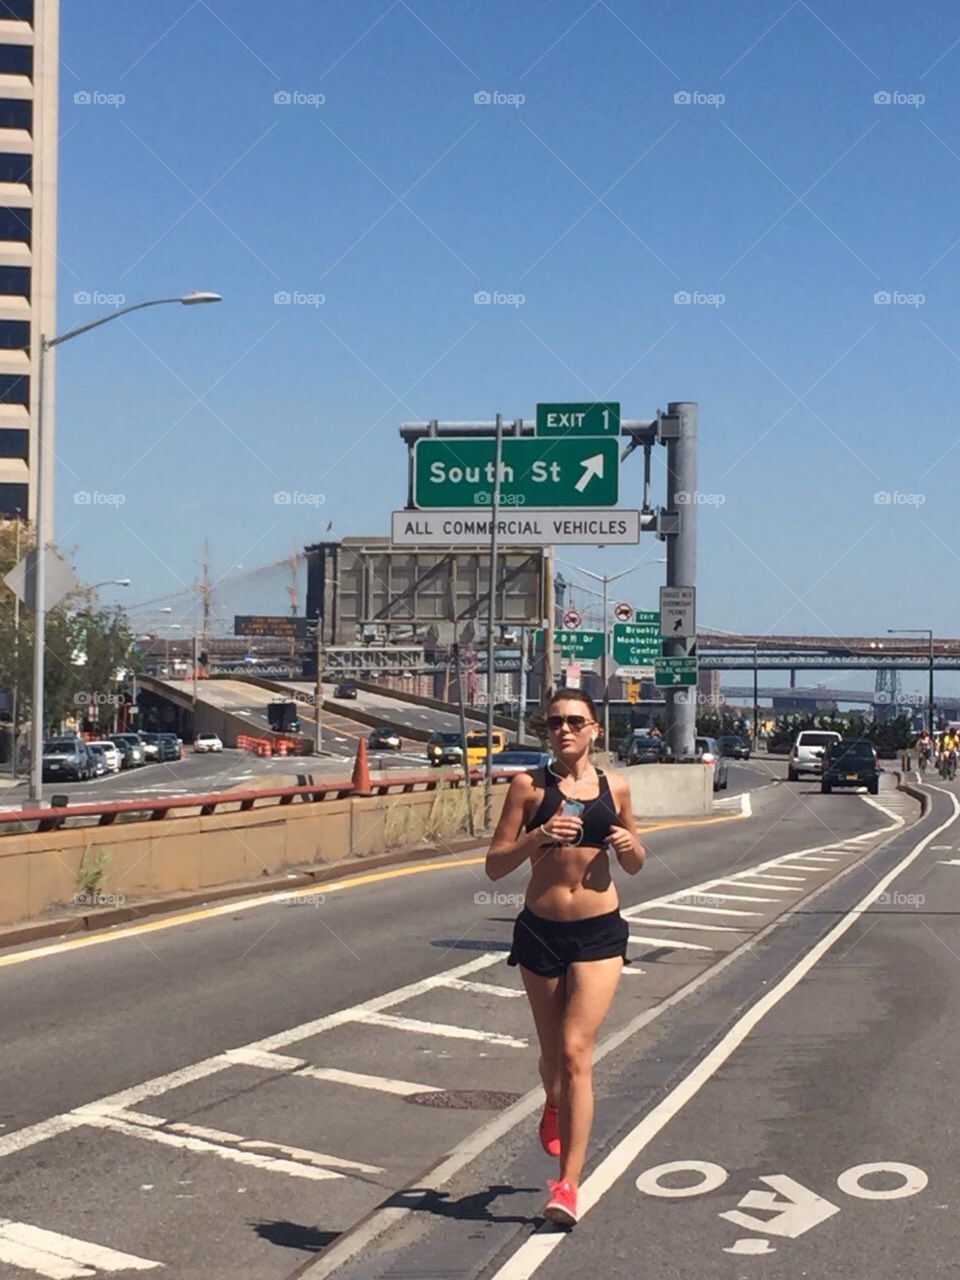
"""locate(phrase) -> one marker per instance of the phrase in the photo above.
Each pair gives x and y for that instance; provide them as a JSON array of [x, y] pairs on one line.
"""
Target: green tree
[[85, 649]]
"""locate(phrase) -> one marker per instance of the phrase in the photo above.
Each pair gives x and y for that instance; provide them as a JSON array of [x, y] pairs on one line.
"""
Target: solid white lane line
[[535, 1251], [10, 1143], [684, 924], [483, 988], [668, 942], [393, 1022], [359, 1080], [200, 1146], [710, 911], [56, 1255]]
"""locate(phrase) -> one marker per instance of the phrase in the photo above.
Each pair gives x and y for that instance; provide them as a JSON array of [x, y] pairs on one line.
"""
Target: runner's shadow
[[292, 1235], [471, 1208]]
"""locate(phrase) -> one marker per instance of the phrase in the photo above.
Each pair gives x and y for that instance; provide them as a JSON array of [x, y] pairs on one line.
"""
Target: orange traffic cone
[[361, 771]]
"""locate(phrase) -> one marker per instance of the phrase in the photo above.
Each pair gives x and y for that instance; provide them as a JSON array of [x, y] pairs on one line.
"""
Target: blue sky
[[781, 194]]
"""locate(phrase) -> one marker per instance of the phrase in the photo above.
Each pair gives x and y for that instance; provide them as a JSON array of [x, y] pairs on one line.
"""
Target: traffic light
[[633, 691], [202, 659]]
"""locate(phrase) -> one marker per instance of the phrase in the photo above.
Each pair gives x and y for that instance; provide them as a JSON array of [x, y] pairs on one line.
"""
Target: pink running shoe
[[562, 1205], [550, 1130]]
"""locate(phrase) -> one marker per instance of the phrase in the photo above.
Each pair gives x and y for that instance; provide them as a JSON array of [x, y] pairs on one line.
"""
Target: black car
[[646, 750], [852, 762], [733, 747], [168, 746], [345, 690], [445, 748], [67, 758], [385, 739]]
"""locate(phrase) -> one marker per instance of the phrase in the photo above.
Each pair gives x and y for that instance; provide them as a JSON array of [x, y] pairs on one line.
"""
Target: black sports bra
[[599, 814]]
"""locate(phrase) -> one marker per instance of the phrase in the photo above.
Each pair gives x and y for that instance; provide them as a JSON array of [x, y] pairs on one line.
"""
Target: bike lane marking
[[535, 1251]]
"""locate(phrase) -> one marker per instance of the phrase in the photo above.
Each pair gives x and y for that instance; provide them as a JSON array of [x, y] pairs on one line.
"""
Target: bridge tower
[[886, 693]]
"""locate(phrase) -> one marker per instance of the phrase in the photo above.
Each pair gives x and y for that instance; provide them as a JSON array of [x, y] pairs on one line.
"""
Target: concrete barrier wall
[[670, 790], [43, 871]]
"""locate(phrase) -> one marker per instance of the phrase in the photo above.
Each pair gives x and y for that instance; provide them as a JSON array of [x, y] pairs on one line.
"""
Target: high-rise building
[[29, 64]]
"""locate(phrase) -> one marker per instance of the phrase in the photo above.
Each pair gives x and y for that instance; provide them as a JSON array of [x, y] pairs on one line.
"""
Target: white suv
[[806, 754]]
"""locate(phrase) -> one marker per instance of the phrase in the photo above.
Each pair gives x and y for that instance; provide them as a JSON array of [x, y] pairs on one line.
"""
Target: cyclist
[[924, 748], [948, 749]]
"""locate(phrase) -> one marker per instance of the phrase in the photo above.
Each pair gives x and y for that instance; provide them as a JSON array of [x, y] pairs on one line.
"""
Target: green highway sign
[[578, 419], [452, 472], [576, 644], [637, 644], [675, 671]]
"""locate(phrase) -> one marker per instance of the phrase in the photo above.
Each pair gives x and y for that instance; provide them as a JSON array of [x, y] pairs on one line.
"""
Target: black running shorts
[[548, 947]]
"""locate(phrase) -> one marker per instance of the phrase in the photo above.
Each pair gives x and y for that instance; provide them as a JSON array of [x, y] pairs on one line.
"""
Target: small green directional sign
[[671, 672], [587, 645], [637, 644]]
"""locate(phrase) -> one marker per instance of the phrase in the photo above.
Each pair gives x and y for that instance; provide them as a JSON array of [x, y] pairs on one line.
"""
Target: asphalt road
[[229, 1092]]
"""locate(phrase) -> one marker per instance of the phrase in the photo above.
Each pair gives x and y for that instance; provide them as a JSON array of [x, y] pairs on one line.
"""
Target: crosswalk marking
[[685, 924], [59, 1257], [359, 1080], [483, 988], [710, 911], [668, 942], [439, 1029]]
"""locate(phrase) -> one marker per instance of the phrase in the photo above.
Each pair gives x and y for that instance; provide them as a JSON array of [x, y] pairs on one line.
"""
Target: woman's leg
[[591, 985], [547, 998]]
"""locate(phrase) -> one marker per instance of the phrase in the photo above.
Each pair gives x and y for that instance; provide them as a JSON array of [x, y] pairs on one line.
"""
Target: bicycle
[[951, 770]]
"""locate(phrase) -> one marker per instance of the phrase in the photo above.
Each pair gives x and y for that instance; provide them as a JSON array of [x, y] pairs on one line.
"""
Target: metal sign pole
[[463, 741], [319, 688], [682, 563], [491, 616]]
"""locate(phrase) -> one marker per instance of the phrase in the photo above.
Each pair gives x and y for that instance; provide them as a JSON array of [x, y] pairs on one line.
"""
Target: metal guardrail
[[156, 808]]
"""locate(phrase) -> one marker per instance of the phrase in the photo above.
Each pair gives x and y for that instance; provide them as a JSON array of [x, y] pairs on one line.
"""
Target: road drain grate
[[464, 1099]]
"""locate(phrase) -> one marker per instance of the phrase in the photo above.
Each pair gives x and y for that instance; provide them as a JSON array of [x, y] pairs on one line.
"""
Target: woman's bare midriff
[[571, 883]]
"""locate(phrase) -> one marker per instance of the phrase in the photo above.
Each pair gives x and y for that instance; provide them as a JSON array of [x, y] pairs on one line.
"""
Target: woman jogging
[[569, 940]]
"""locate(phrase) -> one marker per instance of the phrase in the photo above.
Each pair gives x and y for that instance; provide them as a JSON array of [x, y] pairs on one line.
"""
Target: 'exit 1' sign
[[578, 419]]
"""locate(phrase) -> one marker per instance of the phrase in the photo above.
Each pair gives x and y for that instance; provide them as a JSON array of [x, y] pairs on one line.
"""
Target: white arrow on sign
[[591, 467]]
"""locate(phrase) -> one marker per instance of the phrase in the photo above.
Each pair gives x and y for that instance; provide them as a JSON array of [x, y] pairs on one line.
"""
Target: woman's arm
[[511, 845], [623, 835]]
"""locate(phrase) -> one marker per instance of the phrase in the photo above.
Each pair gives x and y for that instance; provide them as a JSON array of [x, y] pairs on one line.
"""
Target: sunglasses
[[576, 723]]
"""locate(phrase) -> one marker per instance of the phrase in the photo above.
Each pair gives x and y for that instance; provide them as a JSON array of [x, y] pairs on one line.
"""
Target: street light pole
[[40, 575]]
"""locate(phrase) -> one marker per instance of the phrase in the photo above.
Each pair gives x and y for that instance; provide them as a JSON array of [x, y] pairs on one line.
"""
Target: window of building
[[14, 281], [13, 501], [14, 335], [14, 388], [14, 168], [16, 113], [15, 224], [15, 59], [14, 443], [19, 10]]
